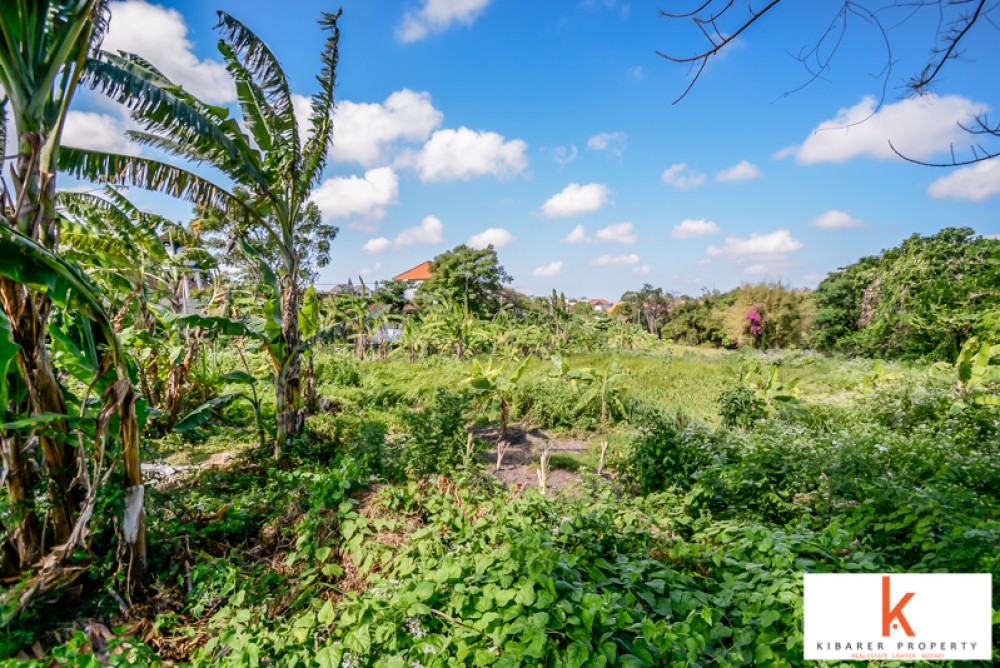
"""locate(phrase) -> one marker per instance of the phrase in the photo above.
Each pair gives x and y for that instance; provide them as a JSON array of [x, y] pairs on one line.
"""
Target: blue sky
[[548, 128]]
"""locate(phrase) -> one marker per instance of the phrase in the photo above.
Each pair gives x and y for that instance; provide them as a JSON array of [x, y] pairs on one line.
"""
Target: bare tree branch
[[956, 20]]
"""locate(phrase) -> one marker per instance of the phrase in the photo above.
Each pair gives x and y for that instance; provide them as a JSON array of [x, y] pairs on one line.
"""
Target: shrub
[[664, 454], [739, 407], [436, 437]]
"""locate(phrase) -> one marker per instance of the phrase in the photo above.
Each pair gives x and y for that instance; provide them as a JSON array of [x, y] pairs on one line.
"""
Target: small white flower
[[415, 628]]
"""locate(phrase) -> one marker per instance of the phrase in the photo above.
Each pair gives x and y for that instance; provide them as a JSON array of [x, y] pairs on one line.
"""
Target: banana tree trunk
[[10, 564], [19, 482], [288, 391], [177, 382], [28, 313]]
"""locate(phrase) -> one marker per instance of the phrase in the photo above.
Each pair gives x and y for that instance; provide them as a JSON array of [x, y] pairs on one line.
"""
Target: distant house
[[601, 305], [414, 277]]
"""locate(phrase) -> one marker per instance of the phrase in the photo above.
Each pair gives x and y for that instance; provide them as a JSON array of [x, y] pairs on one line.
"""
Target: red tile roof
[[419, 273]]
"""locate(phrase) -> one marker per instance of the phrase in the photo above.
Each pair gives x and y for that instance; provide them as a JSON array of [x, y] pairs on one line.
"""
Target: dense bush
[[436, 437], [923, 298]]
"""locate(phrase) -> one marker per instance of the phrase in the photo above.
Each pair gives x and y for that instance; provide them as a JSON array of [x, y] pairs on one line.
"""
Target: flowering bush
[[757, 324]]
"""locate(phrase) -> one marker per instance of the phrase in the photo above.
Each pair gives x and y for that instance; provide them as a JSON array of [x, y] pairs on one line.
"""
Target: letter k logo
[[894, 613]]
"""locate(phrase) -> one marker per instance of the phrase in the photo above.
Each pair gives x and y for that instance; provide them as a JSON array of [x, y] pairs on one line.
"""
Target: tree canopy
[[474, 278], [925, 297]]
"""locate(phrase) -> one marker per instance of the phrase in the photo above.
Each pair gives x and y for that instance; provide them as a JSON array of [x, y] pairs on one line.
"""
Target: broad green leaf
[[241, 377], [8, 353], [204, 413]]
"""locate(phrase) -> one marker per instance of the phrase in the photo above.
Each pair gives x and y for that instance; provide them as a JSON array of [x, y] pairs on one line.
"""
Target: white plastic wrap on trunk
[[134, 512]]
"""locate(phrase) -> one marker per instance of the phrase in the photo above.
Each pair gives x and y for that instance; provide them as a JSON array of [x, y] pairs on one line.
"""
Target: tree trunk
[[177, 381], [309, 375], [19, 481], [28, 313], [290, 416], [10, 565]]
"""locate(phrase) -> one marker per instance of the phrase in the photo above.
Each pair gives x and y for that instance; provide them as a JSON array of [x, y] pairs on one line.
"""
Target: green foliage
[[436, 436], [495, 386], [756, 396], [976, 376], [472, 278], [740, 407], [924, 298], [665, 453], [598, 581]]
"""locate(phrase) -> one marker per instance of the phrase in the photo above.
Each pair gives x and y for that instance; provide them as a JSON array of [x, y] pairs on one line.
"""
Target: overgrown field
[[383, 540]]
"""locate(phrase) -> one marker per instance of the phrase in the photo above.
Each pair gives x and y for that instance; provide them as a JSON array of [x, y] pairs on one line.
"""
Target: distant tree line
[[922, 299]]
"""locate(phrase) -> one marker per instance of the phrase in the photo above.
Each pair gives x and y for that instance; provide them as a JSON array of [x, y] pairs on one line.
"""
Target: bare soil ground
[[520, 462]]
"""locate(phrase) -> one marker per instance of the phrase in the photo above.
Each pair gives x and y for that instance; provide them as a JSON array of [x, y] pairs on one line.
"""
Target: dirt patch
[[520, 460]]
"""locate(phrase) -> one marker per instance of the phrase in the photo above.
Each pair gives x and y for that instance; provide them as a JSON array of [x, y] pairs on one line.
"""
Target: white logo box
[[949, 616]]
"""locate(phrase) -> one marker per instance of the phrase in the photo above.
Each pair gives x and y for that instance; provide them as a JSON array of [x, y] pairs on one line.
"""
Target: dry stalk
[[543, 469], [468, 450], [604, 451], [502, 446]]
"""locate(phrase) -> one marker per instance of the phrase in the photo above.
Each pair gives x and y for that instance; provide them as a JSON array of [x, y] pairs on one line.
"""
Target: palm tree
[[44, 46], [272, 169]]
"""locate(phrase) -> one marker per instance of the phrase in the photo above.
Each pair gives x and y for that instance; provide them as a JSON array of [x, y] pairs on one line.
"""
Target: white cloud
[[635, 72], [918, 127], [642, 271], [436, 16], [160, 36], [99, 132], [551, 269], [991, 236], [578, 235], [365, 132], [691, 228], [760, 249], [371, 270], [680, 177], [575, 199], [617, 233], [742, 171], [703, 261], [302, 108], [429, 231], [835, 220], [461, 154], [615, 260], [493, 236], [563, 155], [975, 183], [376, 245], [613, 143], [365, 197]]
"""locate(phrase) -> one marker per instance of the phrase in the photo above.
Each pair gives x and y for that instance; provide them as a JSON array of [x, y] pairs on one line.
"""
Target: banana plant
[[206, 411], [309, 325], [878, 375], [495, 386], [44, 48], [122, 248], [771, 389], [273, 171], [603, 386], [975, 375]]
